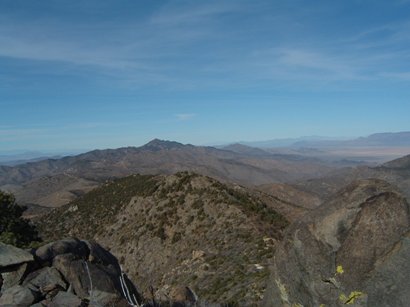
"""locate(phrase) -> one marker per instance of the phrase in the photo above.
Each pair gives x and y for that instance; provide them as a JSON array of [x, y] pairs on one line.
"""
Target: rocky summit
[[67, 273], [352, 250]]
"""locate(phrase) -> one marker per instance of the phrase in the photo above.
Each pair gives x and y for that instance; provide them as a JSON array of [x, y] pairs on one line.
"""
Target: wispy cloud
[[185, 116], [186, 45], [125, 45], [197, 12]]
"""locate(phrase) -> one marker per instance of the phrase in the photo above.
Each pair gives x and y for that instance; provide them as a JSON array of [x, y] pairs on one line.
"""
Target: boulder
[[62, 263], [350, 250], [69, 272], [177, 295], [92, 281], [182, 295], [45, 280], [73, 246], [88, 277], [10, 255], [66, 299], [18, 296], [12, 276], [100, 255]]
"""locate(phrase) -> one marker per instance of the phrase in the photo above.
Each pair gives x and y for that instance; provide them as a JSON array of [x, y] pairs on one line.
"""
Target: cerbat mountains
[[54, 182], [235, 225]]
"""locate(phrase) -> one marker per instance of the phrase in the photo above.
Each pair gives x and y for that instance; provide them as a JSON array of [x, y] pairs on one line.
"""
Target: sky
[[105, 74]]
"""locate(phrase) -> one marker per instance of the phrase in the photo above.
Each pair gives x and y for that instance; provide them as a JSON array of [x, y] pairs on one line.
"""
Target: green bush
[[14, 229]]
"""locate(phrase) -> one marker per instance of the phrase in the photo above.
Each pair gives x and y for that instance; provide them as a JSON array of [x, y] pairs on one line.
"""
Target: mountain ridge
[[155, 157], [184, 228]]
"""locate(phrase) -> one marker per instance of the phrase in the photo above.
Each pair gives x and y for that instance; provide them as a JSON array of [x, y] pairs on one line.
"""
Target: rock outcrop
[[351, 250], [68, 272]]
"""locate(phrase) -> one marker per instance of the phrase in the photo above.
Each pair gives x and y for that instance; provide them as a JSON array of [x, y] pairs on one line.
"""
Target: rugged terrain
[[182, 229], [65, 273], [346, 243], [53, 182], [351, 250], [396, 172]]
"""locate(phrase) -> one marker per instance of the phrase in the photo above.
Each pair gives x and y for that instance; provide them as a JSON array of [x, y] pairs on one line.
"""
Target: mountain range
[[238, 225], [386, 139], [53, 182]]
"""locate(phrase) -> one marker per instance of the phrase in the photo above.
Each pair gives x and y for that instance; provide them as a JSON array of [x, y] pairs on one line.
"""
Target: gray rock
[[45, 280], [10, 255], [101, 256], [389, 284], [12, 276], [65, 299], [18, 296], [98, 283], [81, 273], [71, 245], [62, 263], [177, 294], [346, 248], [103, 298], [96, 277]]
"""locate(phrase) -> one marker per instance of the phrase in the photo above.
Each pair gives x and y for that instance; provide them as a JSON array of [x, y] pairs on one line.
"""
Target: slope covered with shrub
[[183, 229]]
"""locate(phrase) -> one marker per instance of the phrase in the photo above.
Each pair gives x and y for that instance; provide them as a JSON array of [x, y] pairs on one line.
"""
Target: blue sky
[[104, 74]]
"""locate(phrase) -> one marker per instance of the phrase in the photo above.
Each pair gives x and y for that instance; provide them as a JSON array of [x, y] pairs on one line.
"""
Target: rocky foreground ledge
[[68, 272]]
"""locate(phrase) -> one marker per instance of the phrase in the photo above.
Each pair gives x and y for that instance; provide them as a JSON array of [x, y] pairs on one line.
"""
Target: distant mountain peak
[[245, 149], [157, 144]]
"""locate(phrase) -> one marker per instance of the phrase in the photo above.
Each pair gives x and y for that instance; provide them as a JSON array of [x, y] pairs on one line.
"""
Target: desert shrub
[[198, 203], [190, 219], [177, 236], [14, 229]]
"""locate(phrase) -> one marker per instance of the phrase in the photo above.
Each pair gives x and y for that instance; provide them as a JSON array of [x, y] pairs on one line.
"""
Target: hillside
[[53, 182], [300, 201], [402, 164], [352, 250], [184, 229]]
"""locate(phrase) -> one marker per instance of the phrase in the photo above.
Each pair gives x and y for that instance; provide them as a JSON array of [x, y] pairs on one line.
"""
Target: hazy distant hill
[[12, 158], [286, 142], [396, 172], [388, 139], [247, 150], [64, 179], [182, 229]]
